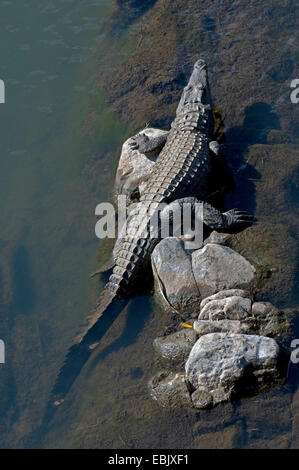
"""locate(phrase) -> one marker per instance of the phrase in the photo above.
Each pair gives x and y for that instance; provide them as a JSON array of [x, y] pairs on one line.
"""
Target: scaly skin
[[179, 174], [181, 170]]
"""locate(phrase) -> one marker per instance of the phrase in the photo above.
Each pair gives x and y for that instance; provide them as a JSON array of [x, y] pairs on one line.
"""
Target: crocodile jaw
[[195, 103]]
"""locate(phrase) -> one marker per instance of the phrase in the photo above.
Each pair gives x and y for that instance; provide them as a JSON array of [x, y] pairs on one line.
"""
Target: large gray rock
[[217, 267], [203, 327], [225, 293], [170, 390], [176, 346], [230, 308], [175, 283], [226, 365], [234, 315], [134, 167]]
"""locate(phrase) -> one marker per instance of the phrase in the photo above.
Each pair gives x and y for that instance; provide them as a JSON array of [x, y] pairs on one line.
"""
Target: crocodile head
[[195, 110]]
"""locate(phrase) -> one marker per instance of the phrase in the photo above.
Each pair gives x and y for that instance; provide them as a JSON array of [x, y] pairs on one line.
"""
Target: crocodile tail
[[104, 268], [98, 323], [101, 308]]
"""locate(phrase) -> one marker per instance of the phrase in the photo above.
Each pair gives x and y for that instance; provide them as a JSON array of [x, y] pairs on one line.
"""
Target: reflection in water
[[79, 353]]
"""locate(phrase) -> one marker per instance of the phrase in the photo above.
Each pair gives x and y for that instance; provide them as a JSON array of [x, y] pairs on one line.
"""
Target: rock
[[217, 237], [228, 365], [201, 399], [176, 286], [135, 167], [230, 308], [203, 327], [226, 293], [217, 267], [176, 345], [170, 390], [269, 320]]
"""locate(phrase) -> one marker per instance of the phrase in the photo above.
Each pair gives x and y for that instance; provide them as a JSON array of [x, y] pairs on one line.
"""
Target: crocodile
[[180, 172]]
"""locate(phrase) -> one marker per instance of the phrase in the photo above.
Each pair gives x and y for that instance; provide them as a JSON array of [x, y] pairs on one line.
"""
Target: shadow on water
[[138, 313], [260, 119], [23, 281], [78, 355]]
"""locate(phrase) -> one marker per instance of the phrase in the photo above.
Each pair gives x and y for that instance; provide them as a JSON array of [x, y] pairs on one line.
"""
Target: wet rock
[[217, 267], [226, 293], [134, 167], [203, 327], [230, 308], [176, 346], [176, 286], [170, 390], [228, 365]]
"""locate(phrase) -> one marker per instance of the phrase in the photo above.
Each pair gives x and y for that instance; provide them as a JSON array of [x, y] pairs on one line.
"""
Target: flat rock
[[229, 308], [227, 365], [269, 320], [203, 327], [134, 167], [226, 293], [176, 345], [170, 390], [176, 286], [217, 237], [217, 267]]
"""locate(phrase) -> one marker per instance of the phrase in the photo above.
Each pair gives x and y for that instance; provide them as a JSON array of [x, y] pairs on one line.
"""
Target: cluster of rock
[[232, 346]]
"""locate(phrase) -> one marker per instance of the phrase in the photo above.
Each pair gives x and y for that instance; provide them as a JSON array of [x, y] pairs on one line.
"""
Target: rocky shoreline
[[225, 345]]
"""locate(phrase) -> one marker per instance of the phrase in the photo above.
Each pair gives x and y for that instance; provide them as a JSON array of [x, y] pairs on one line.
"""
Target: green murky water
[[48, 63]]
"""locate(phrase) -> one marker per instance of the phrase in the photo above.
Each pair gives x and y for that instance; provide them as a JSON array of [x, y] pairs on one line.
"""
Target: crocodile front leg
[[145, 144]]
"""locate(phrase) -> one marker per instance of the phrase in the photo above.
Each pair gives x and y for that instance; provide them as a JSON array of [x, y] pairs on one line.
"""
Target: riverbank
[[250, 74]]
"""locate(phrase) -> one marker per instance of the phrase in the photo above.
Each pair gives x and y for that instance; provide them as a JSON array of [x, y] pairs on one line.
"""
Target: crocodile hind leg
[[177, 215], [226, 221]]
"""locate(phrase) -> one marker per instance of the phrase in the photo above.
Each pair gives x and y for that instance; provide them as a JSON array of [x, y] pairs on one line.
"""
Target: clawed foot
[[139, 142], [239, 219]]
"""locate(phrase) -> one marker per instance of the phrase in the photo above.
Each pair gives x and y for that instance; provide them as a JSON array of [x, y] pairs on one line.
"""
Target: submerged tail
[[104, 268], [98, 322], [105, 301]]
